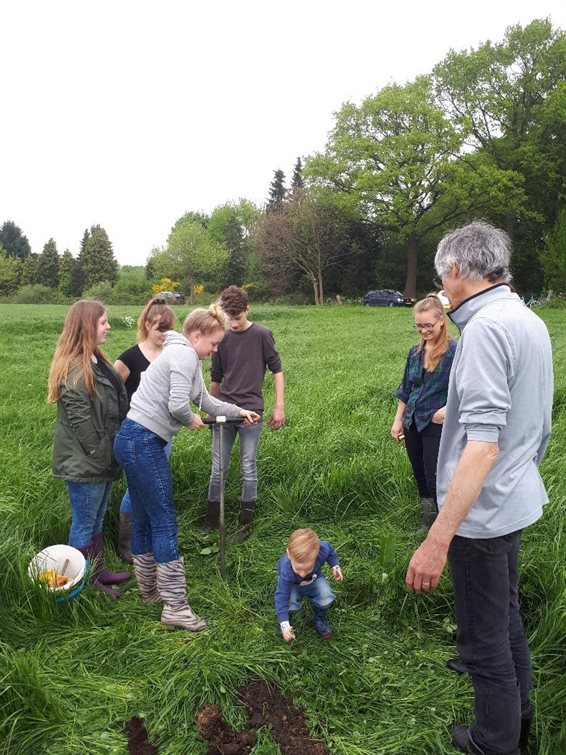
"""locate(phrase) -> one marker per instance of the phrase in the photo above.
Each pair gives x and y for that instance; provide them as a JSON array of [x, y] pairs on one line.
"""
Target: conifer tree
[[13, 240], [29, 274], [96, 260], [277, 192], [67, 266], [48, 265], [298, 181]]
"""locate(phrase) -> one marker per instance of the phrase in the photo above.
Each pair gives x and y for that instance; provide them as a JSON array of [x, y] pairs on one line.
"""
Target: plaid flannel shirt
[[424, 392]]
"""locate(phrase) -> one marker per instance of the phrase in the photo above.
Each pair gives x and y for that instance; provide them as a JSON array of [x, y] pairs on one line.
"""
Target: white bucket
[[54, 558]]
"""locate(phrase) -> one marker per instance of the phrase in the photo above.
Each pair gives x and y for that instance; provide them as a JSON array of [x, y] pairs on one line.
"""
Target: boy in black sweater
[[237, 372]]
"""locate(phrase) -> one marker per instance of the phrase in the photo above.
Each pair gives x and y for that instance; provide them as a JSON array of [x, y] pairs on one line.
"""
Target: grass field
[[71, 675]]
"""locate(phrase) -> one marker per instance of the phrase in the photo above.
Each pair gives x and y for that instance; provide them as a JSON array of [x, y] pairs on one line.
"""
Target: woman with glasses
[[422, 398], [155, 320]]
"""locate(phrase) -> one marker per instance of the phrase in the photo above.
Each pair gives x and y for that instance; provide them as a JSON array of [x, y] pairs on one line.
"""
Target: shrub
[[38, 294]]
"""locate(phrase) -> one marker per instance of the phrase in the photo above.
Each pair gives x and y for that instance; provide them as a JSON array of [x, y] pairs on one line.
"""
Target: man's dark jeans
[[491, 639]]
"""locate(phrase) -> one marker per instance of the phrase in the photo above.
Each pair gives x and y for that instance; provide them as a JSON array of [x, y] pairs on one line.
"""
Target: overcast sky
[[128, 113]]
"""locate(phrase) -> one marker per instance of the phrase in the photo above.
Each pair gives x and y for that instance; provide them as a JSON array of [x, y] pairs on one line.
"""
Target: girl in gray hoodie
[[158, 410]]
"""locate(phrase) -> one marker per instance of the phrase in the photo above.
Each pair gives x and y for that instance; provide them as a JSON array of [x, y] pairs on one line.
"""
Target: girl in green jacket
[[91, 404]]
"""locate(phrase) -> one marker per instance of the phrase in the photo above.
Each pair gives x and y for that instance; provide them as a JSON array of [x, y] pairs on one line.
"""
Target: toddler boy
[[300, 575]]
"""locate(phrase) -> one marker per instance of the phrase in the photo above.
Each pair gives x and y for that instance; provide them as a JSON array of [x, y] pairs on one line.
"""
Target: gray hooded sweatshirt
[[162, 400]]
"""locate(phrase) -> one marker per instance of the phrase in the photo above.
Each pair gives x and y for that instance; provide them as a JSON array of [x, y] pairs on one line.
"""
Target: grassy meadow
[[72, 674]]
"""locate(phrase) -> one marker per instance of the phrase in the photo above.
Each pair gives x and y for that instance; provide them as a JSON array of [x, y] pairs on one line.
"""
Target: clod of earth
[[265, 705], [138, 743], [222, 739]]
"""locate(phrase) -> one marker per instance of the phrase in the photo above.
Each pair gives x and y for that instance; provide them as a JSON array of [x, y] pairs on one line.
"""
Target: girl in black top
[[155, 320]]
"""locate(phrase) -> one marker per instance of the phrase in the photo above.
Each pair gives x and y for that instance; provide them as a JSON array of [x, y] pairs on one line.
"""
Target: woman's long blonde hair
[[75, 348], [438, 348]]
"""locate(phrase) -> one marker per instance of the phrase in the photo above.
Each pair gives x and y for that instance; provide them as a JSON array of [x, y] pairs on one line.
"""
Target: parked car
[[174, 297], [386, 297], [444, 300]]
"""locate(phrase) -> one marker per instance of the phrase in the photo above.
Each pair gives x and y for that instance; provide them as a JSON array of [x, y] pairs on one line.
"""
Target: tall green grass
[[72, 674]]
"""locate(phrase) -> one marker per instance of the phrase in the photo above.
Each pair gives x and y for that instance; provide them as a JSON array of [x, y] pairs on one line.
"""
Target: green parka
[[85, 430]]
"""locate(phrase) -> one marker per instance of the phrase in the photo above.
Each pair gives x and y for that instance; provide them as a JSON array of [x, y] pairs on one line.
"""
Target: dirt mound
[[138, 743], [223, 740], [265, 705]]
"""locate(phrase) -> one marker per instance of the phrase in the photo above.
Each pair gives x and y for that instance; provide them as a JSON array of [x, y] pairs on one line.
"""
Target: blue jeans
[[318, 592], [89, 501], [249, 440], [141, 454], [126, 505], [491, 638]]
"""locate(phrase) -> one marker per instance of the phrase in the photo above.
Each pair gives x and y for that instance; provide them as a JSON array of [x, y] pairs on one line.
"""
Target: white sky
[[128, 113]]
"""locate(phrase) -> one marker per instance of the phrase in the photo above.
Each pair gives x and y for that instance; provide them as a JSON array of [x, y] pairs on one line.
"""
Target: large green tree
[[191, 256], [232, 224], [400, 163], [507, 99], [96, 260], [13, 241], [48, 265]]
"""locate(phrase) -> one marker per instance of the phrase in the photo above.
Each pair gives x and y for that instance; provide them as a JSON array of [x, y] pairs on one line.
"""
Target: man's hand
[[337, 573], [197, 423], [277, 418], [426, 566]]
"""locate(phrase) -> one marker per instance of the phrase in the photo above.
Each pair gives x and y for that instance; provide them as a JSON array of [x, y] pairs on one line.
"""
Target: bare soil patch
[[266, 705]]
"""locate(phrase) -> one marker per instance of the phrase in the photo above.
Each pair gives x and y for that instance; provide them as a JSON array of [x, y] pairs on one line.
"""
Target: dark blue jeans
[[491, 638], [141, 454]]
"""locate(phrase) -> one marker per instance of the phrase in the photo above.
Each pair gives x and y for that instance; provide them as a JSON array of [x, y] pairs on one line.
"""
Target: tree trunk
[[412, 257], [191, 290], [320, 288]]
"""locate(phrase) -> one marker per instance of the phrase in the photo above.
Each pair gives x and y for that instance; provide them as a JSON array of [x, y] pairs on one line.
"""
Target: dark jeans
[[491, 639], [422, 450], [141, 454]]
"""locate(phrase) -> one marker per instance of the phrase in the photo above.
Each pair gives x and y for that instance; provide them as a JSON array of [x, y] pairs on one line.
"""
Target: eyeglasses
[[425, 328], [437, 282], [159, 300]]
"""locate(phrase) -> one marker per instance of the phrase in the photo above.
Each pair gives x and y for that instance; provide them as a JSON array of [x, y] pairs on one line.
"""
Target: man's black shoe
[[455, 664], [462, 739]]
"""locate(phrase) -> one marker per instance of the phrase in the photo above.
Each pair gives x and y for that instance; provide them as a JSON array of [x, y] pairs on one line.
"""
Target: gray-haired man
[[496, 428]]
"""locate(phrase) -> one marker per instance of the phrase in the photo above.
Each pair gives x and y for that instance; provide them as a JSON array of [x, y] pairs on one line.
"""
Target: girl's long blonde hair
[[75, 348], [438, 348]]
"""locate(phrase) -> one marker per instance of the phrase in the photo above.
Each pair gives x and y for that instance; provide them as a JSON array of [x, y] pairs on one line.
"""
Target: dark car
[[385, 297]]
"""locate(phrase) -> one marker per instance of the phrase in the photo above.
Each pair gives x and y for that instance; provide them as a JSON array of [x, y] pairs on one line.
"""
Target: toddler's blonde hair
[[303, 545]]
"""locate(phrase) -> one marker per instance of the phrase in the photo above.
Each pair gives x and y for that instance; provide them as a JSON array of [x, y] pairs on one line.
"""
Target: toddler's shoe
[[322, 627]]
